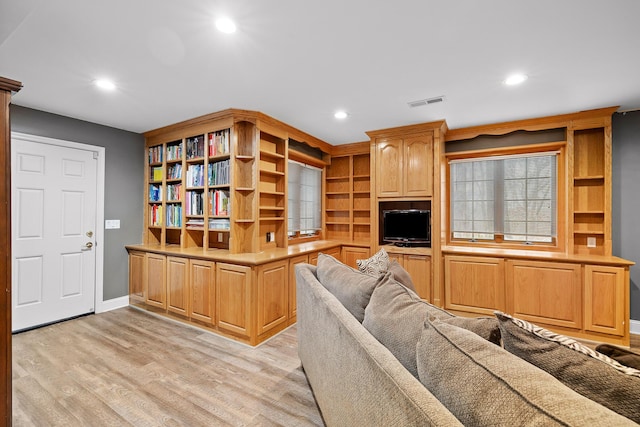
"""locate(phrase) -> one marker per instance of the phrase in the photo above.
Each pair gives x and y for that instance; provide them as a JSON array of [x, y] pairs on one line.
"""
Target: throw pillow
[[376, 265], [621, 355], [401, 275], [484, 385], [352, 288], [586, 371], [395, 316]]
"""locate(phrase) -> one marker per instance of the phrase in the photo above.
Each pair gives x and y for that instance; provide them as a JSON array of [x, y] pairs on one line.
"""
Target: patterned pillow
[[376, 265], [588, 372], [484, 385], [621, 355], [352, 288]]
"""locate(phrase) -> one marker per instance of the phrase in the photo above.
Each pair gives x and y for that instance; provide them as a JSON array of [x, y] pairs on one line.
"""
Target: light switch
[[111, 224]]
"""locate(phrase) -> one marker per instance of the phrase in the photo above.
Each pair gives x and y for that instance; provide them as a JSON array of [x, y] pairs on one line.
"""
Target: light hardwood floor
[[126, 367]]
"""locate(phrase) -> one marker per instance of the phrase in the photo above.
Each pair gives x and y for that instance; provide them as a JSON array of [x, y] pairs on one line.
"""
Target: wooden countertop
[[536, 255], [223, 255]]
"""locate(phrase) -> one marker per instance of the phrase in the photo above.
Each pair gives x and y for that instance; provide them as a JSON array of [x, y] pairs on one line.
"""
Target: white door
[[53, 222]]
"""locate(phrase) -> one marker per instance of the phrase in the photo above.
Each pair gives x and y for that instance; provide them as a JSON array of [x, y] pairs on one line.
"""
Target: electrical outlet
[[220, 237], [272, 236], [591, 242]]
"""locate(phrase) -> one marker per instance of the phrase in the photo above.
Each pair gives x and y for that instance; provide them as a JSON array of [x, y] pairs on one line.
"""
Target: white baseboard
[[634, 327], [113, 304]]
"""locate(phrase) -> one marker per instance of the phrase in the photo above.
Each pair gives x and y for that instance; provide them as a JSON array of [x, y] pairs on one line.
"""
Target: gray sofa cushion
[[401, 275], [484, 385], [395, 316], [352, 288], [584, 370]]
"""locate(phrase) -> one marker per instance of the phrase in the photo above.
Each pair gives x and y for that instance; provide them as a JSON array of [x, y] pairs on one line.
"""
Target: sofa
[[446, 371]]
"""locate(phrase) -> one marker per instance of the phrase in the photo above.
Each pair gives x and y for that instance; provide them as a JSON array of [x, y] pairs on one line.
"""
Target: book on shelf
[[219, 224], [218, 173], [195, 147], [155, 193], [156, 173], [195, 223], [155, 215], [219, 203], [174, 216], [174, 151], [174, 171], [194, 202], [219, 143], [195, 176], [173, 191], [155, 154]]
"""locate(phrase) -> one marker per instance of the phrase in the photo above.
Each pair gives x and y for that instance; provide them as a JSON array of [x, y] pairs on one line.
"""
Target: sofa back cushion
[[351, 287], [591, 374], [395, 316], [484, 385]]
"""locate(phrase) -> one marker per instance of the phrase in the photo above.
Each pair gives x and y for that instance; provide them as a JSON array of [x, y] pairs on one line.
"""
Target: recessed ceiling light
[[515, 79], [105, 84], [226, 25], [340, 115]]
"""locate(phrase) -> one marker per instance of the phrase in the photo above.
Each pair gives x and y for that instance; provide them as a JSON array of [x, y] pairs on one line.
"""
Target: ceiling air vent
[[429, 101]]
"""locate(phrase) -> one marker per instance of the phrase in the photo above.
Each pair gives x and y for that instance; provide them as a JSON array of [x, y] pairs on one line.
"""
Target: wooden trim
[[541, 123], [6, 87], [350, 149], [408, 130], [305, 158]]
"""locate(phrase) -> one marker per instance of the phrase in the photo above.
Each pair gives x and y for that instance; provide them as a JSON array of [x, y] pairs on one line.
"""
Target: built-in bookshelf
[[347, 215], [273, 201]]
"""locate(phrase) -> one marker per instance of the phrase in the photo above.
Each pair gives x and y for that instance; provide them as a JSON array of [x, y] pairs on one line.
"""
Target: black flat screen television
[[407, 227]]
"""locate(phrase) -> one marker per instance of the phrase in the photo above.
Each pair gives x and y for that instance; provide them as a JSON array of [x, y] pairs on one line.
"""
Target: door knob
[[89, 245], [89, 233]]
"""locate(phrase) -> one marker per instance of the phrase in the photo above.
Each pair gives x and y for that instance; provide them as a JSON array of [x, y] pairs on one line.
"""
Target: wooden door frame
[[7, 86]]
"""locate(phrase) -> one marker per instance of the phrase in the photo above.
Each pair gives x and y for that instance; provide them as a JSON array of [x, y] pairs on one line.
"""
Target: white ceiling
[[299, 61]]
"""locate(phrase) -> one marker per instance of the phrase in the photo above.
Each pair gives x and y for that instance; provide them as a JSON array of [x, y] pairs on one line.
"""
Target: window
[[305, 192], [505, 199]]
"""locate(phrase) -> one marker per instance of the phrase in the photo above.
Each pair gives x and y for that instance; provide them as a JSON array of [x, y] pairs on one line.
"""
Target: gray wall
[[124, 180], [626, 197]]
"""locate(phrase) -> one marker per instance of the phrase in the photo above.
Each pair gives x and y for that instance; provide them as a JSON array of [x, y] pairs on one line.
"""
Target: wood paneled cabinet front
[[300, 259], [606, 307], [273, 295], [202, 291], [419, 268], [405, 166], [136, 277], [545, 292], [233, 298], [178, 285], [350, 254], [474, 284], [155, 283]]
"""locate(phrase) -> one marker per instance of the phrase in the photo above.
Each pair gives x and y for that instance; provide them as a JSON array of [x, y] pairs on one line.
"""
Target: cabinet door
[[350, 254], [545, 292], [233, 298], [273, 295], [418, 166], [419, 268], [156, 292], [202, 276], [136, 277], [474, 284], [389, 167], [606, 301], [300, 259], [177, 285]]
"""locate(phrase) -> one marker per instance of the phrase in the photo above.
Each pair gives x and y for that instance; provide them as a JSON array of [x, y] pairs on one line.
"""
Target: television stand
[[411, 244]]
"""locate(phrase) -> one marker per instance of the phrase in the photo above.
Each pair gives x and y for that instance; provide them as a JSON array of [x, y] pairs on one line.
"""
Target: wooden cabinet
[[178, 285], [606, 305], [136, 277], [273, 295], [300, 259], [547, 293], [419, 268], [233, 298], [405, 166], [156, 285], [202, 291], [474, 284], [350, 254]]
